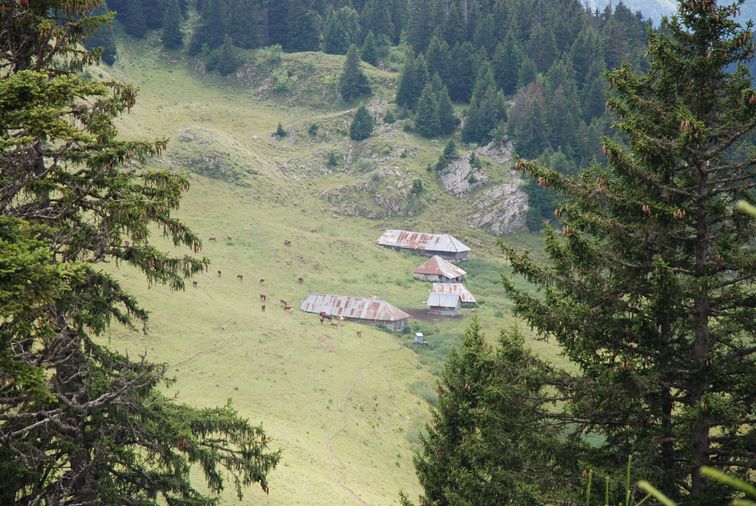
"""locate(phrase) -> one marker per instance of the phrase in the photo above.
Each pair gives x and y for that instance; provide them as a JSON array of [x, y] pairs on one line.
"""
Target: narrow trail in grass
[[337, 464]]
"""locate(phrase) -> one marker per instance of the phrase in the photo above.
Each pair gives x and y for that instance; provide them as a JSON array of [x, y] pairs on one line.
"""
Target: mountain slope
[[655, 9]]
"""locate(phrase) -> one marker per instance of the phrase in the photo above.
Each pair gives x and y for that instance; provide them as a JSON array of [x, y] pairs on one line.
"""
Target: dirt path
[[337, 464]]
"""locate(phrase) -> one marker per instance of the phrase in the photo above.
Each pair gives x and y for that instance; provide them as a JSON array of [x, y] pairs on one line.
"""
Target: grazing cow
[[359, 333], [334, 324], [300, 280], [284, 302], [194, 283], [263, 308], [262, 281], [263, 297], [321, 320], [220, 273], [289, 308], [211, 238], [287, 242], [325, 315], [228, 237], [240, 277]]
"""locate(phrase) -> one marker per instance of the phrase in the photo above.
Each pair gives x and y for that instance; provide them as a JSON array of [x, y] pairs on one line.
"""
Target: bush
[[313, 130], [389, 117], [417, 187], [280, 132], [362, 124], [272, 55], [332, 160]]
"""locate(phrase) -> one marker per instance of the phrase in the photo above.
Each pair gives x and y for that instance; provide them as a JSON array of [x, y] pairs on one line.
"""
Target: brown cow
[[284, 302], [228, 237], [194, 283], [263, 308], [334, 324], [300, 280], [240, 277], [262, 281], [287, 242], [263, 297], [359, 333], [220, 273], [211, 238], [288, 308]]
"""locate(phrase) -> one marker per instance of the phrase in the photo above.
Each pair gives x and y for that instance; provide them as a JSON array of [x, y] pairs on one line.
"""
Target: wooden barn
[[363, 310], [444, 304], [465, 296], [442, 245], [439, 270]]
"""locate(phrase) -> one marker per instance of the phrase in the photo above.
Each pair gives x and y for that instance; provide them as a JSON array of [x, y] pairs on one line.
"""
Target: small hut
[[359, 309], [439, 270], [444, 304], [465, 296]]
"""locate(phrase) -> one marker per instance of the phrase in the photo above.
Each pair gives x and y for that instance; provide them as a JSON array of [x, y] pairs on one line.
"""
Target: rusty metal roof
[[353, 307], [421, 241], [443, 299], [459, 288], [437, 266]]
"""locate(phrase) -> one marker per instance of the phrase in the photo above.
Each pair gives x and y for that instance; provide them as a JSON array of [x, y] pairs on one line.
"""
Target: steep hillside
[[346, 410], [655, 9]]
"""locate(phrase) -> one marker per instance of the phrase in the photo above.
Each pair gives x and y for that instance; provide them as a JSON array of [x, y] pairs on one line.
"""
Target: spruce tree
[[412, 80], [243, 23], [506, 65], [154, 11], [454, 25], [369, 51], [447, 121], [342, 29], [102, 39], [462, 75], [302, 26], [133, 19], [487, 108], [448, 451], [172, 36], [212, 31], [426, 115], [438, 58], [650, 286], [362, 124], [376, 17], [82, 423], [353, 82]]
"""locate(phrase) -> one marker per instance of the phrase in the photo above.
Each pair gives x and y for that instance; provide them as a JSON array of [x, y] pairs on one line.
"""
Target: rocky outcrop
[[500, 152], [387, 193], [461, 177], [500, 210]]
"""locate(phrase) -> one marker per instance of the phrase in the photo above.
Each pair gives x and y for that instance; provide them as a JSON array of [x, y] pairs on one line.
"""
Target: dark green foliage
[[527, 73], [244, 22], [649, 285], [362, 124], [376, 18], [413, 78], [312, 130], [541, 200], [541, 47], [426, 115], [417, 187], [172, 36], [419, 24], [447, 122], [211, 33], [102, 40], [438, 58], [133, 19], [303, 27], [527, 121], [462, 75], [489, 440], [225, 60], [454, 25], [342, 29], [353, 82], [332, 160], [506, 66], [280, 131], [487, 108], [448, 155], [83, 424], [484, 34], [369, 51], [154, 12], [278, 13], [389, 117]]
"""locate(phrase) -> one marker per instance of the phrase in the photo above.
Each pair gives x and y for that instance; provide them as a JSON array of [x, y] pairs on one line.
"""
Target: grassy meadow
[[346, 411]]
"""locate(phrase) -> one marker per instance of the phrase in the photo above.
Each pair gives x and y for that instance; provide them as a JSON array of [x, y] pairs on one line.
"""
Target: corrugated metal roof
[[422, 241], [353, 307], [443, 300], [464, 293], [436, 265]]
